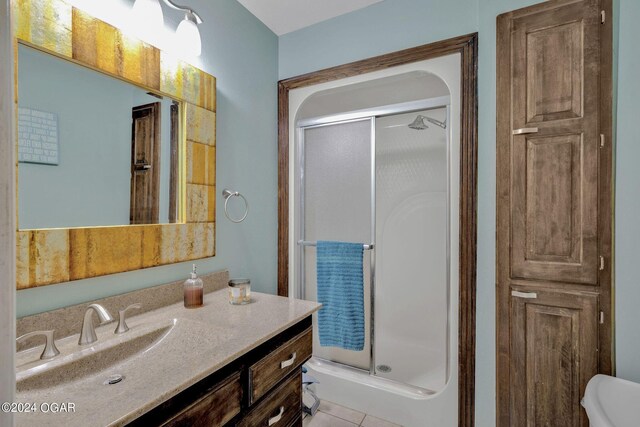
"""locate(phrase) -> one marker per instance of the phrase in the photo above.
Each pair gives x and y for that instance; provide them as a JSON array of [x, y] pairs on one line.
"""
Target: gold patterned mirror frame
[[56, 255]]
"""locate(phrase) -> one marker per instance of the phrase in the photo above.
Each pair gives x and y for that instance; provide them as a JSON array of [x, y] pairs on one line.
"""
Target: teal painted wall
[[397, 24], [627, 282], [381, 28], [242, 53]]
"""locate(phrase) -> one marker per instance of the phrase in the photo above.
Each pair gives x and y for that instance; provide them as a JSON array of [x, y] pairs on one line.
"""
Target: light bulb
[[188, 37], [148, 21]]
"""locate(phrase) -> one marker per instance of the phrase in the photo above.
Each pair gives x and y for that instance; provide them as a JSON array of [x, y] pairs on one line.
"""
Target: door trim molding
[[8, 163], [467, 47]]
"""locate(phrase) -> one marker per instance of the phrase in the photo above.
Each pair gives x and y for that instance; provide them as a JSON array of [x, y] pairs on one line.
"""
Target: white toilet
[[612, 402]]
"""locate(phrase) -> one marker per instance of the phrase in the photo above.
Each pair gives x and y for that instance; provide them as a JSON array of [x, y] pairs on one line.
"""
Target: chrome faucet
[[88, 333], [50, 349], [122, 323]]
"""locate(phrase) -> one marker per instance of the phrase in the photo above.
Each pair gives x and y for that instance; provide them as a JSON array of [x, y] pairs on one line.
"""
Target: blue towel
[[341, 292]]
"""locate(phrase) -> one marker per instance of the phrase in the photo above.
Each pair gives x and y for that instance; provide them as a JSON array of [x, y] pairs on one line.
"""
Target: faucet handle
[[122, 324], [50, 349]]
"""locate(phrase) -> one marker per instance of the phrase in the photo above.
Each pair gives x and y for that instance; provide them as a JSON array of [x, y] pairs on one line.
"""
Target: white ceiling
[[284, 16]]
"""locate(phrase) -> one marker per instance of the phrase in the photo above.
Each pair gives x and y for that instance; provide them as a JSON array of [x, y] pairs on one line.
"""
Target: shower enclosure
[[380, 177], [379, 182]]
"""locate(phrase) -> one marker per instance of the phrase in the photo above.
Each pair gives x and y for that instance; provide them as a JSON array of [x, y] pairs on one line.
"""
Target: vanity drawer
[[281, 408], [215, 408], [268, 371]]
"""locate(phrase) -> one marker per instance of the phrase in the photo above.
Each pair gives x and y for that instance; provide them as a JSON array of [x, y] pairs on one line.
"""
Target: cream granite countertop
[[190, 345]]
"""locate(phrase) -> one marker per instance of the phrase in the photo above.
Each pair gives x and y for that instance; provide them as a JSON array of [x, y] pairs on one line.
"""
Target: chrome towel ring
[[227, 194]]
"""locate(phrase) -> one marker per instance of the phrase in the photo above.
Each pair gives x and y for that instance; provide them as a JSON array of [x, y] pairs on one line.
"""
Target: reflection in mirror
[[93, 150]]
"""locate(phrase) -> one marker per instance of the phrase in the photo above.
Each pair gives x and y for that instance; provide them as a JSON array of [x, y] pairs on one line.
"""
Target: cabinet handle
[[530, 295], [523, 131], [277, 418], [141, 167], [288, 362]]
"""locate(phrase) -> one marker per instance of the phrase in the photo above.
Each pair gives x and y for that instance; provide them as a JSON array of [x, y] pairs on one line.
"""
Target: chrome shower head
[[418, 123]]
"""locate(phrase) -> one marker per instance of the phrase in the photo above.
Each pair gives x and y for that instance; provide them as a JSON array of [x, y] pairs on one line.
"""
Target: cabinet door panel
[[554, 168], [554, 72], [554, 215], [554, 354], [555, 64], [280, 408], [268, 371], [215, 408]]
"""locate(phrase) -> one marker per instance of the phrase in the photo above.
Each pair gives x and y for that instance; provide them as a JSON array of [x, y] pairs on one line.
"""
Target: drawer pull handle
[[531, 295], [288, 362], [277, 418], [524, 131]]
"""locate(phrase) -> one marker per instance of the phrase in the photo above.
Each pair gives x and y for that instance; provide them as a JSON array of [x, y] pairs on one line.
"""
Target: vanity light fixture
[[149, 14], [187, 33]]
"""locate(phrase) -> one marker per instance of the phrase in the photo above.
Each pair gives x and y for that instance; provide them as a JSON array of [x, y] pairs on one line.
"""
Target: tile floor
[[333, 415]]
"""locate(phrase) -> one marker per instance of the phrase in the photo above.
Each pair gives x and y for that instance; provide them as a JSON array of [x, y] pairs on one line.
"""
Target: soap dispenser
[[193, 290]]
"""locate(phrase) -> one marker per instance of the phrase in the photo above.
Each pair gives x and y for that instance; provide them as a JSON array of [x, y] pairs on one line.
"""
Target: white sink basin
[[612, 402], [88, 361]]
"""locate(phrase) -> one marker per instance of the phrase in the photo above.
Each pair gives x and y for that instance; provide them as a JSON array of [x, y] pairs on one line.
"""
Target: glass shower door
[[411, 305], [336, 187]]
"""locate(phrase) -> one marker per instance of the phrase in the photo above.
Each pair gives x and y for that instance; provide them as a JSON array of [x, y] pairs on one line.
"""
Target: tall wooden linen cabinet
[[554, 209]]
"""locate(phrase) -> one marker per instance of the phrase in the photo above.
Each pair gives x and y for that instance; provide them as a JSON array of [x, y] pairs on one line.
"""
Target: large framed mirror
[[116, 150]]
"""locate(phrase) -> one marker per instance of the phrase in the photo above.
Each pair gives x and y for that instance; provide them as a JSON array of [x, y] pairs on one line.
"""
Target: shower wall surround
[[406, 402]]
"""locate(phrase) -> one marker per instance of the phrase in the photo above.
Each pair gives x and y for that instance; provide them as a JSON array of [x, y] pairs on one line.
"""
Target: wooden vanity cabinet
[[217, 407], [261, 388], [271, 369], [554, 346], [280, 408]]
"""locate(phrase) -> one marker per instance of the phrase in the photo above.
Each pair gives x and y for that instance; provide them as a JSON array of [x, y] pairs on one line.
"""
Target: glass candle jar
[[239, 291]]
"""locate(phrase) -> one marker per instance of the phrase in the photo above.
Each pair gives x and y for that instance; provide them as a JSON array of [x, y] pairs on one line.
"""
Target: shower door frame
[[370, 114], [302, 243], [338, 120], [467, 47]]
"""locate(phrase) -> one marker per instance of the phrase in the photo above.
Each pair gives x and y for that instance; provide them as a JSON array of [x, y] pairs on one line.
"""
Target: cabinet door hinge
[[602, 317], [601, 263], [603, 16], [601, 140]]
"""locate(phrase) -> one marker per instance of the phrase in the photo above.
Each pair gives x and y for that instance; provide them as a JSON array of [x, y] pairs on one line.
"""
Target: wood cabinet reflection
[[116, 148]]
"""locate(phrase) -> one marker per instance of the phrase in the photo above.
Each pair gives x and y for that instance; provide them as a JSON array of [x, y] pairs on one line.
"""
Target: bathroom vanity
[[263, 387], [220, 364]]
